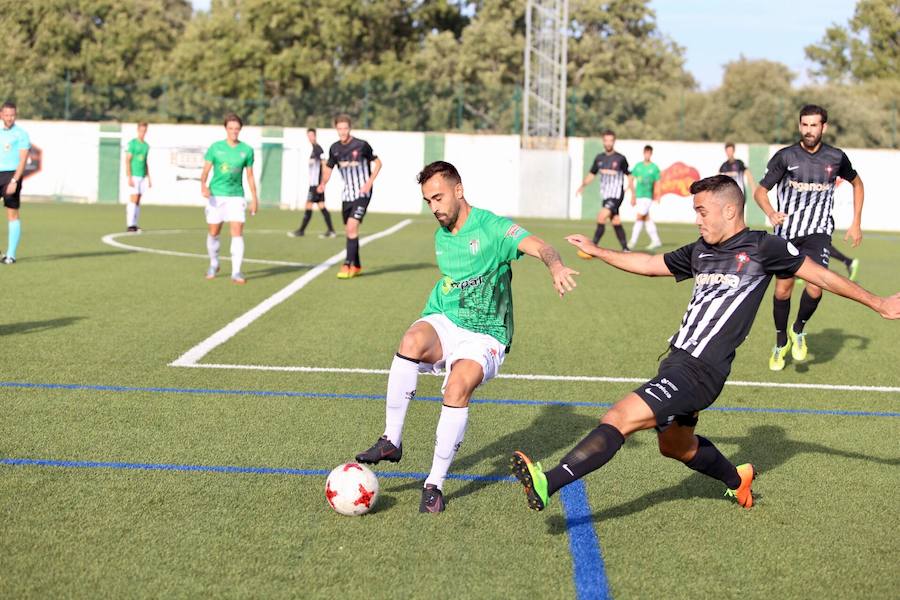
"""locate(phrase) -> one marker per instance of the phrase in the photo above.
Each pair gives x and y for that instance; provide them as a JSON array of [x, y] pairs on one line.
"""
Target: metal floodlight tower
[[544, 102]]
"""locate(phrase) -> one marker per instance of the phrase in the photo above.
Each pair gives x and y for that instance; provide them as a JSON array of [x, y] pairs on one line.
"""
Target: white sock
[[237, 254], [137, 213], [212, 248], [450, 431], [401, 389], [651, 230], [635, 233], [129, 214]]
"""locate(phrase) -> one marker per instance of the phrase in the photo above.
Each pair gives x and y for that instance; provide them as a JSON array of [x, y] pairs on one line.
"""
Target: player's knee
[[457, 394], [676, 449], [412, 344], [814, 291]]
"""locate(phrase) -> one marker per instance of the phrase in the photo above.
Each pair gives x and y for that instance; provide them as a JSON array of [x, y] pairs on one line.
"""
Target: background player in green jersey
[[645, 191], [467, 325], [14, 147], [138, 174], [228, 159]]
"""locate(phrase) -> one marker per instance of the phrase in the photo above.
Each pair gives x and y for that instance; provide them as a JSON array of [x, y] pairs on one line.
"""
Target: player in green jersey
[[138, 174], [644, 192], [467, 325], [228, 159]]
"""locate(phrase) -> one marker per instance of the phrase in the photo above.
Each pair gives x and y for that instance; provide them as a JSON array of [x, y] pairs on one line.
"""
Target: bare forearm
[[761, 196], [639, 263], [550, 256], [858, 197], [23, 160], [837, 284]]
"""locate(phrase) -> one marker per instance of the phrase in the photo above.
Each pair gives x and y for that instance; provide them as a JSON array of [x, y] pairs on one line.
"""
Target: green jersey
[[475, 291], [645, 175], [228, 167], [138, 151]]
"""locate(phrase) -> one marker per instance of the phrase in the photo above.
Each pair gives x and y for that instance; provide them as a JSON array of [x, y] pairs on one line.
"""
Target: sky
[[714, 32]]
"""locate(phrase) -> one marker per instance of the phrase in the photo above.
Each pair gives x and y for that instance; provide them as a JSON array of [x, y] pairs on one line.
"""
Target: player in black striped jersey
[[359, 167], [731, 267], [736, 169], [806, 175], [613, 168], [314, 196]]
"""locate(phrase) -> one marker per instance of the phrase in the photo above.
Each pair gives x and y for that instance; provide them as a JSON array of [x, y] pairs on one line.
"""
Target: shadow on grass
[[556, 427], [397, 268], [766, 446], [825, 345], [272, 271], [49, 257], [37, 326]]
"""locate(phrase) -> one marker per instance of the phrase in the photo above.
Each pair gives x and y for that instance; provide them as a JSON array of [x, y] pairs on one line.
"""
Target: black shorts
[[816, 246], [683, 386], [314, 196], [356, 209], [9, 200], [613, 204]]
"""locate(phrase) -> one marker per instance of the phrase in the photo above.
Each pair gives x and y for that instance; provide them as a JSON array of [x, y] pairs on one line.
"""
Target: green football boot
[[533, 479]]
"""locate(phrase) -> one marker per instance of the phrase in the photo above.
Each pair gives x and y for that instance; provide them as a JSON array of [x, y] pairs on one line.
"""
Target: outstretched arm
[[761, 195], [562, 275], [889, 307], [651, 265]]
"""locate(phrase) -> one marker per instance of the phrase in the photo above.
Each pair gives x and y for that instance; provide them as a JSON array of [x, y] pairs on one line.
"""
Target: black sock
[[781, 309], [808, 306], [306, 217], [352, 252], [590, 454], [835, 253], [620, 233], [327, 216], [599, 232], [712, 463]]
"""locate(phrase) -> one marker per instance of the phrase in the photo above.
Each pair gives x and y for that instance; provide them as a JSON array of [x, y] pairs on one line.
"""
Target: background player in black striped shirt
[[736, 169], [806, 175], [359, 167], [612, 167], [731, 267], [314, 196]]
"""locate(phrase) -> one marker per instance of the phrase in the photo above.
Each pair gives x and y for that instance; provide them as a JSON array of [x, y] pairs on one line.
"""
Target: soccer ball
[[351, 489]]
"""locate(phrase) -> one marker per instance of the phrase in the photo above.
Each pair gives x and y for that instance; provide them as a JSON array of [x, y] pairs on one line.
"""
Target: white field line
[[111, 240], [192, 356], [531, 377]]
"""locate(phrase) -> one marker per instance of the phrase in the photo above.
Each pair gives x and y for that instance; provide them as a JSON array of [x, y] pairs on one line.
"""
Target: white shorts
[[140, 186], [643, 206], [225, 208], [458, 343]]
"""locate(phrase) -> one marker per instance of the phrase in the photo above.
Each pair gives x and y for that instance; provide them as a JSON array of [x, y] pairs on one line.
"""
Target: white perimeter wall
[[493, 167]]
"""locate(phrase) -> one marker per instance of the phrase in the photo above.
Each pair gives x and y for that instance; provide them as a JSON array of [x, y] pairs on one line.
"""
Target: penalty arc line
[[565, 378], [111, 240], [192, 356]]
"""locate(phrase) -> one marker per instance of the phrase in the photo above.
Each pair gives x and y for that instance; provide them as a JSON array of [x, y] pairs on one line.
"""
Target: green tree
[[868, 49], [107, 50]]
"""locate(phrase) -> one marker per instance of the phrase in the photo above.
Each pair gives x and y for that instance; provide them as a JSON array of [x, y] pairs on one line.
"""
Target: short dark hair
[[721, 185], [439, 167], [729, 145], [229, 117], [311, 130], [607, 132], [814, 109], [9, 104], [143, 124], [343, 118], [648, 147]]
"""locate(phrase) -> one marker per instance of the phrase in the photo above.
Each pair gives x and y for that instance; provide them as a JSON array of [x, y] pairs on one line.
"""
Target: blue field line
[[501, 401], [587, 558], [92, 464], [587, 562]]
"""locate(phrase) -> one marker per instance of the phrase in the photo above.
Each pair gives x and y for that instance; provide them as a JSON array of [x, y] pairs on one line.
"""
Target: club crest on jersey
[[742, 259], [513, 232], [474, 246]]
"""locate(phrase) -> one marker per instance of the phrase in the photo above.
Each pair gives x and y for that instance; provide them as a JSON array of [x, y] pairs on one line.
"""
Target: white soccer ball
[[351, 489]]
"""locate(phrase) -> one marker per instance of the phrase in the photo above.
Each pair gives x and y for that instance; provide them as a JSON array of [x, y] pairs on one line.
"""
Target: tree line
[[427, 65]]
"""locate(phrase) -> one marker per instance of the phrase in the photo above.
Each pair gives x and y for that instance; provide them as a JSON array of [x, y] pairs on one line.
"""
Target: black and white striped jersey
[[613, 167], [354, 159], [315, 165], [806, 183], [736, 170], [730, 280]]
